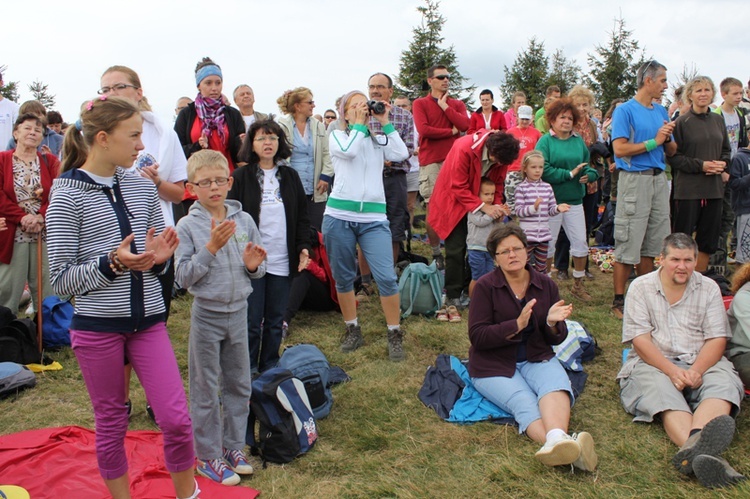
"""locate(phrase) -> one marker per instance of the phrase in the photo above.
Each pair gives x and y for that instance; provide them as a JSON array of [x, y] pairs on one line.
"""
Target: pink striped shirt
[[535, 222]]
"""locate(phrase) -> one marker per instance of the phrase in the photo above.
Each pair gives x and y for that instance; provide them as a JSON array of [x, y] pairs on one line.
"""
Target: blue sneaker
[[237, 461], [216, 470]]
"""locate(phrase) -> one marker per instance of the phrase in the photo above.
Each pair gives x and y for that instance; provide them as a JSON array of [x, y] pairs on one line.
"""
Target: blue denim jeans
[[374, 239], [480, 263], [266, 305], [520, 394]]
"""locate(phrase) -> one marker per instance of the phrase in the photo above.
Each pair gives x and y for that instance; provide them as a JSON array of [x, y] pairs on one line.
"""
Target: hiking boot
[[217, 470], [579, 291], [439, 261], [564, 451], [352, 339], [712, 440], [365, 292], [714, 472], [618, 307], [562, 275], [396, 345], [454, 302], [588, 459], [237, 462]]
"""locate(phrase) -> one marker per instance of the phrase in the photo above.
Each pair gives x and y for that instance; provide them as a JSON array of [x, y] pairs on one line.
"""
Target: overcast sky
[[332, 46]]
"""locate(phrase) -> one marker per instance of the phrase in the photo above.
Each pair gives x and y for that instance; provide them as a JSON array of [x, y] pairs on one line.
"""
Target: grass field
[[380, 441]]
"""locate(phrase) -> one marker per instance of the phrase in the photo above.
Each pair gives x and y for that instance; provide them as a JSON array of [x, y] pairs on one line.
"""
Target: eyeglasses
[[515, 251], [311, 102], [206, 183], [377, 87], [330, 117], [118, 87], [442, 77], [266, 138]]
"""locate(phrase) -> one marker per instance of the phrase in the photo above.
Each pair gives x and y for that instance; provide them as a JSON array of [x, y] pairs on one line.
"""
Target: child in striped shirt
[[535, 204]]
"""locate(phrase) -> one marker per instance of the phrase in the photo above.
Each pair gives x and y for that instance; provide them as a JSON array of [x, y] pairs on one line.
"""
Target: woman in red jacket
[[25, 180], [488, 116]]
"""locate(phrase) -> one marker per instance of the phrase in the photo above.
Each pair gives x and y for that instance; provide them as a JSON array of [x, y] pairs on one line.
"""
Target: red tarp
[[61, 463]]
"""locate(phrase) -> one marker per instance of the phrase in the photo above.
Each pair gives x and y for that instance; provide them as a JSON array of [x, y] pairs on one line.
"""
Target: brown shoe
[[579, 291], [617, 308]]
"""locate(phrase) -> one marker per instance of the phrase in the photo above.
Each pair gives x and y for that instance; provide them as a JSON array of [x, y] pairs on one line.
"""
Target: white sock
[[195, 493], [353, 322], [555, 435], [394, 328]]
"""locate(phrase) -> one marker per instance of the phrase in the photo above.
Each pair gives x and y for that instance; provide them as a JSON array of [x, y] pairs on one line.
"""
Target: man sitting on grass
[[674, 318]]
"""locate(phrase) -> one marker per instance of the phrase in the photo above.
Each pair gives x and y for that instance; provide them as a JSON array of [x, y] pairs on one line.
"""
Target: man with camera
[[380, 89]]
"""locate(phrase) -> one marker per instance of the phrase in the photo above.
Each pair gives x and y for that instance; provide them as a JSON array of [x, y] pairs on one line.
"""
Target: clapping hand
[[559, 312], [220, 234], [163, 246], [134, 261], [253, 256], [523, 318], [575, 171]]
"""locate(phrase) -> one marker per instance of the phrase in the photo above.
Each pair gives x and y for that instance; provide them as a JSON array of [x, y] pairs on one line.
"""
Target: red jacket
[[456, 190], [497, 121], [9, 208], [435, 127]]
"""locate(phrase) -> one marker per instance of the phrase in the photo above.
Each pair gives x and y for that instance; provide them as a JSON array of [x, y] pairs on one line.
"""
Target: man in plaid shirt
[[675, 320]]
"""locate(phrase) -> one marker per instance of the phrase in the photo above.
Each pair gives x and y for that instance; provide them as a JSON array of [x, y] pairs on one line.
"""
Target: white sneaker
[[588, 459], [564, 451]]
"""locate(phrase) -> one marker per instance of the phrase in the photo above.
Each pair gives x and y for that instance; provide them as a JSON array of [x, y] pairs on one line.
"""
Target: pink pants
[[150, 353]]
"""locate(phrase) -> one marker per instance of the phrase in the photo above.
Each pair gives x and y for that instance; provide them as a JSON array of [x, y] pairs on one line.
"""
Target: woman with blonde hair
[[107, 245], [699, 169], [310, 156], [355, 215]]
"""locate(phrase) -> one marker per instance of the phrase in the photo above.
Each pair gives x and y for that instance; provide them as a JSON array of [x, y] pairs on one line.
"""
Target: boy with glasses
[[219, 253]]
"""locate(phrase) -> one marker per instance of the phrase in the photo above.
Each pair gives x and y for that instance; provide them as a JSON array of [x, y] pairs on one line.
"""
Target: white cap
[[525, 112]]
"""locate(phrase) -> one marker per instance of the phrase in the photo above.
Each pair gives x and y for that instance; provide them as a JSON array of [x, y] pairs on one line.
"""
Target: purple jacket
[[492, 319], [535, 223]]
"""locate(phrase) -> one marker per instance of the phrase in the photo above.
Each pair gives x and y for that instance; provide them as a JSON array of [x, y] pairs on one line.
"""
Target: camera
[[375, 107]]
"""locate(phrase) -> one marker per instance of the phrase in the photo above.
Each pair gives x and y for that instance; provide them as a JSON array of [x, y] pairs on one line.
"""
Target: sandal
[[442, 315], [453, 315]]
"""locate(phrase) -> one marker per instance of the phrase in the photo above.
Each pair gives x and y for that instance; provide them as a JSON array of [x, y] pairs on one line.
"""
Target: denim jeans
[[266, 305], [374, 239]]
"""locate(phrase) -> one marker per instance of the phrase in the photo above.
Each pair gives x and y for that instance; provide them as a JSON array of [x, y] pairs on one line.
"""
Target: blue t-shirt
[[637, 123]]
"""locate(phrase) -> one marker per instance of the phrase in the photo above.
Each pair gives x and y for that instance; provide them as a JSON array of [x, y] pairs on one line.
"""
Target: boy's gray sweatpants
[[218, 364]]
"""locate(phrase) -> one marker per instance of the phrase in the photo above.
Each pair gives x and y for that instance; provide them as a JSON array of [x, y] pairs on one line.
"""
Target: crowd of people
[[257, 216]]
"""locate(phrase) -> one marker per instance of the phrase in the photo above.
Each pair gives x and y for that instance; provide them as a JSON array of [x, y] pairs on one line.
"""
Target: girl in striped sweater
[[535, 204], [107, 244]]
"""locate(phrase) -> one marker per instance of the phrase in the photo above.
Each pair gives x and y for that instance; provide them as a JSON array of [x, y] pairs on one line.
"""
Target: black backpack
[[287, 426], [18, 342]]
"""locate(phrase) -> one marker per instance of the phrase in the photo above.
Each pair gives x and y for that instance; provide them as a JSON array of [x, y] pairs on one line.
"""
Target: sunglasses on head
[[442, 77]]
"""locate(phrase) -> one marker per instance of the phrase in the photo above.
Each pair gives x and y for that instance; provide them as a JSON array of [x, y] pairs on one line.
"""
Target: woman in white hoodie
[[355, 214]]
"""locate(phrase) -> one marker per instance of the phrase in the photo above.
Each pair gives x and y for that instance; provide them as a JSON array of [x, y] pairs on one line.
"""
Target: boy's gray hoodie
[[219, 283]]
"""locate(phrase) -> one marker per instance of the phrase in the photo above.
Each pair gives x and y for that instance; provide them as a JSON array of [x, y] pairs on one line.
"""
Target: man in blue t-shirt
[[641, 135]]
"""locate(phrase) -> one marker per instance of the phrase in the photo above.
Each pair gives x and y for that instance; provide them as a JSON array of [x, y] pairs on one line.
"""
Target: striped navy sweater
[[85, 221]]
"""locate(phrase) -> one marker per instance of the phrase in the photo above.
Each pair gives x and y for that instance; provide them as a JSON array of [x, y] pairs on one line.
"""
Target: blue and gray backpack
[[287, 427], [310, 365]]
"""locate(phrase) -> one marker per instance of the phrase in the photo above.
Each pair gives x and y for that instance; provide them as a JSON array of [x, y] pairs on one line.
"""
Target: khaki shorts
[[428, 175], [648, 391], [641, 216]]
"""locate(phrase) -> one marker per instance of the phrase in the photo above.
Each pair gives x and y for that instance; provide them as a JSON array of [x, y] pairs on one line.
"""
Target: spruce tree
[[528, 73], [40, 92]]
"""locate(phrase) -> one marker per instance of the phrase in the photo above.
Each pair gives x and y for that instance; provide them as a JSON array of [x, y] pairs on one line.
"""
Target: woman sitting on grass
[[515, 317]]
